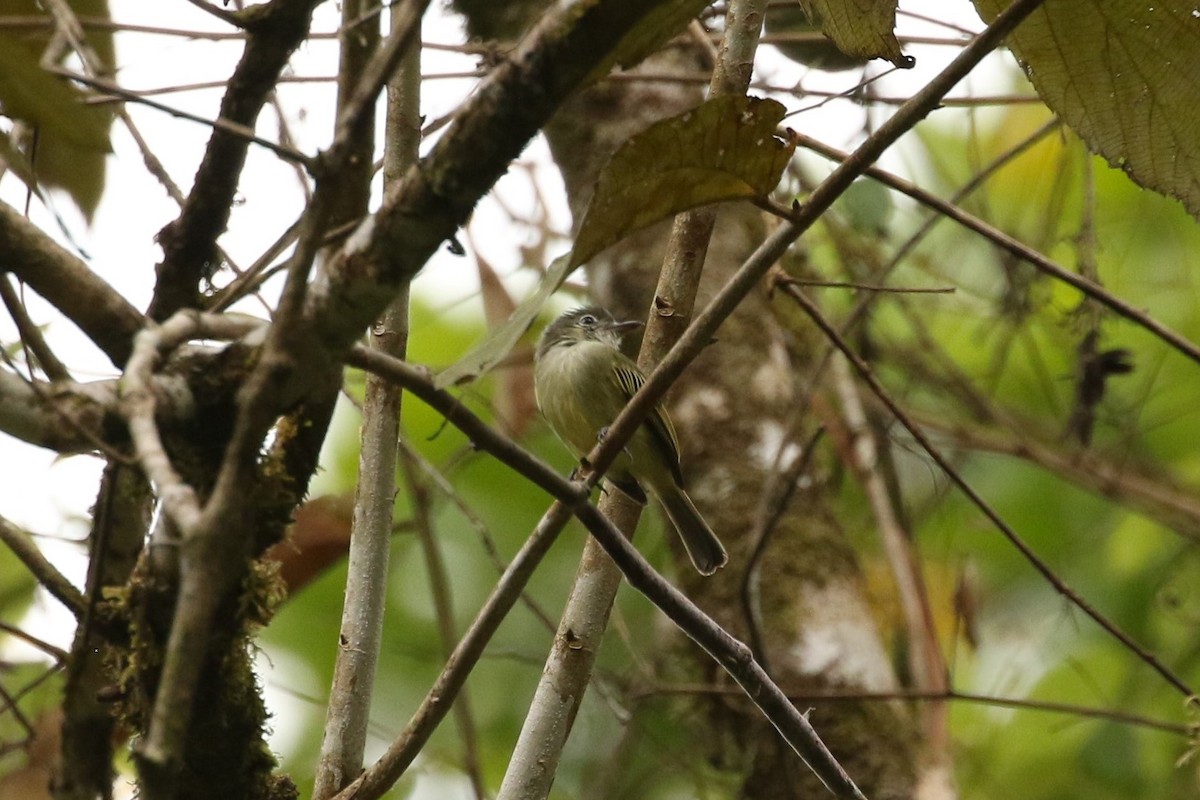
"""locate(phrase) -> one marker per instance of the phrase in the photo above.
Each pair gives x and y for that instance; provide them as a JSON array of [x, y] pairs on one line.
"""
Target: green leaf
[[867, 205], [725, 149], [72, 139], [1123, 75], [491, 351], [661, 24], [29, 93], [794, 35], [17, 587], [863, 28]]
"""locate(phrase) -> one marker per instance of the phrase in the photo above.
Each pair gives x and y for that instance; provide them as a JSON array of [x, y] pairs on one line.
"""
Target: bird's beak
[[623, 328]]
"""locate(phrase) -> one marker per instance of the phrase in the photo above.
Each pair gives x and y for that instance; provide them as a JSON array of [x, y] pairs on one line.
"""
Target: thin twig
[[926, 662], [10, 704], [22, 546], [865, 372], [361, 634], [57, 653], [218, 12], [776, 496], [1151, 494], [31, 335], [443, 605], [1071, 709], [973, 101], [1018, 249], [869, 287], [434, 476], [219, 123]]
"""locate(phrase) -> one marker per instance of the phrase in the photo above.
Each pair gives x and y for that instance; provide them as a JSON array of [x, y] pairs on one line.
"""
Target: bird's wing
[[629, 378]]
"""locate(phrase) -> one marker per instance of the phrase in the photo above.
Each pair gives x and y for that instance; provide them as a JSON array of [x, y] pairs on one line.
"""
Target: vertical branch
[[569, 666], [348, 712], [925, 658], [120, 520], [443, 607]]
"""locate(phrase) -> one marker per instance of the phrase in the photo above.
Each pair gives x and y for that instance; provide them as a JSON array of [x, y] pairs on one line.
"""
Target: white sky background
[[50, 496]]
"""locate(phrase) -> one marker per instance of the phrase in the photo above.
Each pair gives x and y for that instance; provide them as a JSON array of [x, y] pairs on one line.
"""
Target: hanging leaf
[[863, 28], [500, 342], [665, 21], [725, 149], [793, 34], [1123, 75], [70, 141]]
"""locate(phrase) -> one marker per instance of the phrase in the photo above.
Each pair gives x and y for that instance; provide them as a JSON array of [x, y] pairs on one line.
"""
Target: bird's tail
[[702, 545]]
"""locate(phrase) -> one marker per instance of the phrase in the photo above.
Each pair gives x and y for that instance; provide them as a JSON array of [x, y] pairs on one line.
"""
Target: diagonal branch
[[571, 498], [1133, 485], [38, 351], [865, 372], [68, 284], [705, 326], [1022, 251], [436, 197], [361, 635], [22, 546], [189, 243], [569, 666], [64, 417]]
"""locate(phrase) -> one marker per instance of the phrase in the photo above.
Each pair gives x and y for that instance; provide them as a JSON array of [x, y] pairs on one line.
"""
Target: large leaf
[[1123, 74], [99, 37], [71, 137], [863, 28], [792, 33], [726, 149], [664, 22]]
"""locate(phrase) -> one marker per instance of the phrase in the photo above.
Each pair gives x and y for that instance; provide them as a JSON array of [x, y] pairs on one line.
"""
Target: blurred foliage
[[68, 141], [1002, 352], [1122, 75]]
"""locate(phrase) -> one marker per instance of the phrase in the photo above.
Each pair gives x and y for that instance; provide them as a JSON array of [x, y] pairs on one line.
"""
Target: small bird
[[582, 381]]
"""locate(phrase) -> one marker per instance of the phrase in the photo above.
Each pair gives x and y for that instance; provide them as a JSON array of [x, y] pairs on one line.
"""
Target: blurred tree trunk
[[734, 408]]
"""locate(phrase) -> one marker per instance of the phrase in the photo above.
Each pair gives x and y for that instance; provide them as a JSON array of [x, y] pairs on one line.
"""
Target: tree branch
[[1022, 251], [727, 651], [22, 546], [64, 417], [68, 284], [864, 371], [347, 714], [569, 666], [189, 243]]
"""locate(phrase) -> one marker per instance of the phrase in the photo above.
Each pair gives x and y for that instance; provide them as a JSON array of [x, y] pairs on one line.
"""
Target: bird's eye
[[587, 320]]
